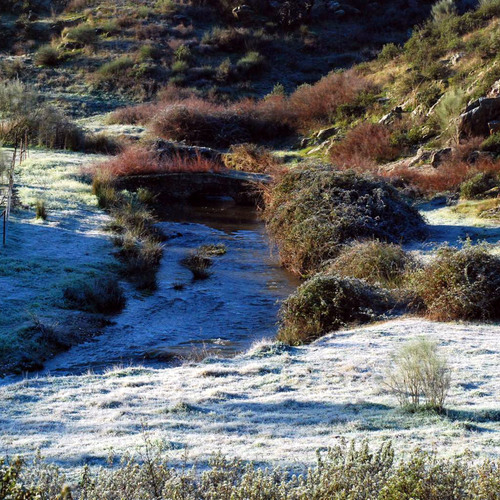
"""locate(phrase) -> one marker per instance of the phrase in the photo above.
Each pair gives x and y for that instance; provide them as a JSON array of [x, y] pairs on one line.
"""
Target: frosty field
[[271, 405]]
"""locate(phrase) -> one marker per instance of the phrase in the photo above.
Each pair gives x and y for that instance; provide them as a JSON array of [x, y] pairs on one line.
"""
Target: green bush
[[47, 55], [180, 66], [83, 35], [477, 186], [199, 264], [389, 52], [326, 303], [116, 67], [311, 212], [183, 53], [225, 71], [443, 9], [251, 64], [459, 285], [374, 261], [149, 52], [492, 144], [40, 210]]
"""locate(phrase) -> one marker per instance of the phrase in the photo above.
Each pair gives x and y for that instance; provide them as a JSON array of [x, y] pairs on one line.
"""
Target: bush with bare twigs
[[137, 160], [418, 375]]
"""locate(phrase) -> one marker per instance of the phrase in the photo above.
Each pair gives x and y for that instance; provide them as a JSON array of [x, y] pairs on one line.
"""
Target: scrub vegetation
[[341, 471]]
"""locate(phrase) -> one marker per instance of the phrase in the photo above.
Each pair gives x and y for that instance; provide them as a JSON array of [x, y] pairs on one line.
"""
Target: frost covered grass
[[43, 257], [273, 405]]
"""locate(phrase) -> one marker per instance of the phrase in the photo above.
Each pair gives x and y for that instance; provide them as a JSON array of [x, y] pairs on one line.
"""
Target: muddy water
[[184, 318]]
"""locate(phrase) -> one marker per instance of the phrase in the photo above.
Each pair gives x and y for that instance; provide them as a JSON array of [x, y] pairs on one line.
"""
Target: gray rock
[[495, 90], [439, 155], [422, 156], [326, 133], [476, 117], [394, 114], [243, 13]]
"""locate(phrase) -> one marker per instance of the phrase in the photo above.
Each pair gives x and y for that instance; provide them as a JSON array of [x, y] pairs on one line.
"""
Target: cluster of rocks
[[481, 117]]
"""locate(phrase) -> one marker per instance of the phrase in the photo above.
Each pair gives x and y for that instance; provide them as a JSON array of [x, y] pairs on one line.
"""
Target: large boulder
[[478, 115]]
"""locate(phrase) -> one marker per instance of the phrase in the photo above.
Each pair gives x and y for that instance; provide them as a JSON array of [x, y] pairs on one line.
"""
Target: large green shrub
[[477, 186], [312, 212]]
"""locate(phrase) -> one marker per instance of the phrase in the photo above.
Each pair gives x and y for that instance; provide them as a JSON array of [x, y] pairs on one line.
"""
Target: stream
[[186, 319]]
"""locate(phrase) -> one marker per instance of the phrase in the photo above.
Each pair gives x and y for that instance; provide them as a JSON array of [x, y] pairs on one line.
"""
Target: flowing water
[[183, 318]]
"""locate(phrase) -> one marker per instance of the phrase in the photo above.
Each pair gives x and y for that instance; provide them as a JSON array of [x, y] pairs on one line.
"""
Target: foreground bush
[[459, 285], [418, 375], [343, 472], [326, 303], [373, 261], [311, 212]]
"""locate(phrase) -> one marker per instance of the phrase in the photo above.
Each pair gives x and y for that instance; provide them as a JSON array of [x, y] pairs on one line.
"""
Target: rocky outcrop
[[476, 119], [439, 155]]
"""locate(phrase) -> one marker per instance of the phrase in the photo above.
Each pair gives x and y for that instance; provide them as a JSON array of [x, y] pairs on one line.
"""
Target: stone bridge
[[242, 187]]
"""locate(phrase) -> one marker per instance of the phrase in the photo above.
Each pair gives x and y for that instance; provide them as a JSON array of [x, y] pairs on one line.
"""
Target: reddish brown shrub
[[363, 147], [318, 103], [447, 177], [132, 115], [181, 115], [202, 122], [139, 161]]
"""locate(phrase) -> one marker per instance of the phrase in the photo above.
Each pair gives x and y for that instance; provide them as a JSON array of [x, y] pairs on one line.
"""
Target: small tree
[[419, 375]]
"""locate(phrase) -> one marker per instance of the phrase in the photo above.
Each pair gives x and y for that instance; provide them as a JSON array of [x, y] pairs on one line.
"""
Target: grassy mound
[[312, 212], [325, 303], [460, 284]]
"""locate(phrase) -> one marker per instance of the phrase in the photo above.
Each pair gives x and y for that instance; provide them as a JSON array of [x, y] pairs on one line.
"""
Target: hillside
[[95, 55]]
